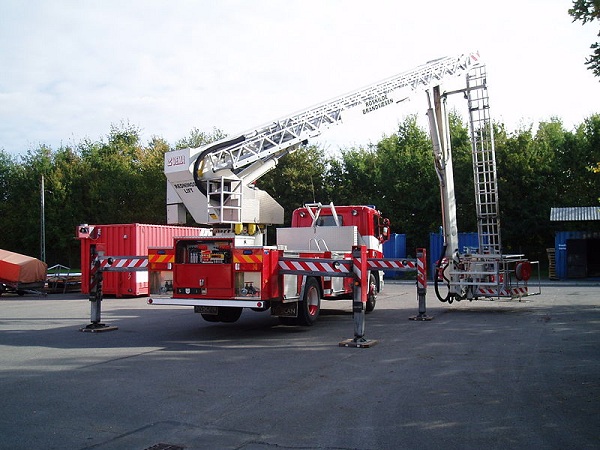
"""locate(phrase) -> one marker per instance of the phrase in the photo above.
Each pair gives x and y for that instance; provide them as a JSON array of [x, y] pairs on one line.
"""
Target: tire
[[289, 321], [310, 306], [372, 294], [226, 314], [229, 314], [210, 317]]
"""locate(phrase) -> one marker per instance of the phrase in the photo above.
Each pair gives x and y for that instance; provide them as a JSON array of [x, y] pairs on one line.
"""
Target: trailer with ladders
[[330, 251]]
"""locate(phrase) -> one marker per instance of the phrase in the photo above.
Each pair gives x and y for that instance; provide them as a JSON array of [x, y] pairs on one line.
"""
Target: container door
[[576, 258], [593, 257]]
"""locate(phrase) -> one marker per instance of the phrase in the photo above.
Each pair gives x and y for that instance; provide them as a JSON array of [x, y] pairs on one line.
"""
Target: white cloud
[[72, 68]]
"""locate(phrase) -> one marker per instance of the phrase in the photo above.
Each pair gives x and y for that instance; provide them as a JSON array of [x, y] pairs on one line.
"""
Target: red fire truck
[[221, 275], [324, 253]]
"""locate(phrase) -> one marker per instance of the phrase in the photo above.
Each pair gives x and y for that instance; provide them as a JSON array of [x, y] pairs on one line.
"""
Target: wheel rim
[[312, 301], [372, 289]]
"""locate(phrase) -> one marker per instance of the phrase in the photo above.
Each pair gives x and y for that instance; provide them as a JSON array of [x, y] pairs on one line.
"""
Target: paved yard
[[491, 375]]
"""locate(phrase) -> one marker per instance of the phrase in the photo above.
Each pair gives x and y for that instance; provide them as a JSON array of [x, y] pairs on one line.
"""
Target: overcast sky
[[71, 68]]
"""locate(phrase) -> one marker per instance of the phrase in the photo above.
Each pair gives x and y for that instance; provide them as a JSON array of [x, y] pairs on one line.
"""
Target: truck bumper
[[206, 302]]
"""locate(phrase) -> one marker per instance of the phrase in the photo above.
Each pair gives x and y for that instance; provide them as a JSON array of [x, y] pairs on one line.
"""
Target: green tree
[[124, 181], [575, 161], [152, 182], [353, 178], [588, 11], [8, 167], [199, 138], [11, 208], [62, 184], [590, 141], [525, 165], [408, 183], [462, 163]]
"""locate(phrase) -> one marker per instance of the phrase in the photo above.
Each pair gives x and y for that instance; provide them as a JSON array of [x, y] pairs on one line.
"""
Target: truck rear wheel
[[229, 314], [210, 317], [226, 314], [310, 306]]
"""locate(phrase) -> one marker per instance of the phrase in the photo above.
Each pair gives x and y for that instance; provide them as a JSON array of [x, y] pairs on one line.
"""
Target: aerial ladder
[[215, 183]]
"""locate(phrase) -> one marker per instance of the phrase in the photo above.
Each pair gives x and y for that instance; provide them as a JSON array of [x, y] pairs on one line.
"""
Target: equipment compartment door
[[203, 269]]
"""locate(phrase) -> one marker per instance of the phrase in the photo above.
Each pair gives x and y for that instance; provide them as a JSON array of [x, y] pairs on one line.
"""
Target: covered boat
[[20, 272]]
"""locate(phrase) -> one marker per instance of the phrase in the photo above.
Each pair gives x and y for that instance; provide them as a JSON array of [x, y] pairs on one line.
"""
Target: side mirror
[[384, 231]]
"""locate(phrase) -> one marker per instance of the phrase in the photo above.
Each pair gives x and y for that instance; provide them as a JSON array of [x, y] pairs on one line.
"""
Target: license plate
[[213, 310], [285, 309]]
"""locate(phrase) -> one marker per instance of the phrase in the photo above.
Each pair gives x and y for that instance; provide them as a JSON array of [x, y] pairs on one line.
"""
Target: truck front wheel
[[310, 306]]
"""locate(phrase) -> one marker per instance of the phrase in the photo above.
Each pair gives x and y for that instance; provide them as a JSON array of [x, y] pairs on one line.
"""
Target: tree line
[[119, 179]]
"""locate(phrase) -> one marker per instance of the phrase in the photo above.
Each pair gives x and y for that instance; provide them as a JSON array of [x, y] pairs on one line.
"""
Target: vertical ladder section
[[224, 200], [484, 162]]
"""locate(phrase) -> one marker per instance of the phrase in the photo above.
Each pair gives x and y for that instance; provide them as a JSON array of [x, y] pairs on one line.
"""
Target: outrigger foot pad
[[98, 328], [421, 317], [358, 343]]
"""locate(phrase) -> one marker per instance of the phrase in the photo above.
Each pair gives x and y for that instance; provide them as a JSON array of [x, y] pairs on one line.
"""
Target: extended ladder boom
[[261, 142], [215, 182]]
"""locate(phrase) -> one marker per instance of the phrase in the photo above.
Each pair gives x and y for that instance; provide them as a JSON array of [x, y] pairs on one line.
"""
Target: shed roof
[[577, 213]]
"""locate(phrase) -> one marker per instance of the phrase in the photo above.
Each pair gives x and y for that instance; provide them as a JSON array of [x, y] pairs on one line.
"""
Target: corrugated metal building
[[575, 214], [576, 253]]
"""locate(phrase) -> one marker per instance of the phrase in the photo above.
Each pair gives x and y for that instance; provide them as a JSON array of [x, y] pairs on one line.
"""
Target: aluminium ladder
[[272, 138], [484, 163]]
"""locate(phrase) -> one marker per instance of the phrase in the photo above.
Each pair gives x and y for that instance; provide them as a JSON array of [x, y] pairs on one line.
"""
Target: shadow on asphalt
[[180, 329]]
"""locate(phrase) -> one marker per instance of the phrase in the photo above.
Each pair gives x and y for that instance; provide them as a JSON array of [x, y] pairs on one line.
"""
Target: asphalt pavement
[[493, 375]]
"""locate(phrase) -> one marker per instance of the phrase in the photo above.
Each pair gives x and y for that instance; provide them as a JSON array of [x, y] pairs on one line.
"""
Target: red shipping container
[[131, 239]]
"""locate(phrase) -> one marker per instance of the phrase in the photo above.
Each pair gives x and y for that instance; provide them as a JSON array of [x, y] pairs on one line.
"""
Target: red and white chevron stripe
[[391, 264], [356, 268], [511, 292], [315, 266], [93, 278], [129, 262], [422, 271]]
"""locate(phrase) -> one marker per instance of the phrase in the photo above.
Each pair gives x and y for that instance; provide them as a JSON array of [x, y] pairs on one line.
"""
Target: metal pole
[[95, 297], [421, 285], [359, 300], [43, 221]]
